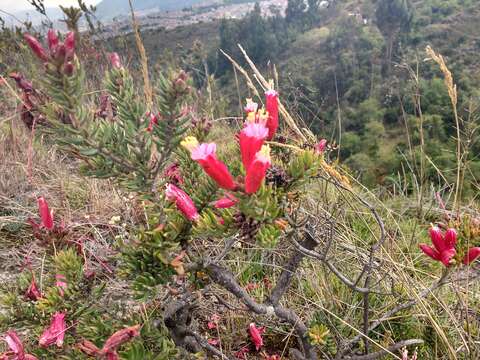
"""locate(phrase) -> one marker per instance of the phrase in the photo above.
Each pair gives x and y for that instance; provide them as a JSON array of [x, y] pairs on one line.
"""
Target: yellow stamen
[[190, 143]]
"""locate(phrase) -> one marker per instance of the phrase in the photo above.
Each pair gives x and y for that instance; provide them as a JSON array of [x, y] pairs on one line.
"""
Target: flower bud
[[115, 60], [36, 47], [70, 45], [52, 39]]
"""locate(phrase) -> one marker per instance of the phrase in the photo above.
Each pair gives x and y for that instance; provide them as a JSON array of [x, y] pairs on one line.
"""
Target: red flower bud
[[69, 45], [120, 337], [320, 147], [52, 39], [226, 202], [45, 214], [472, 254], [36, 47], [32, 292], [183, 202], [271, 105], [256, 335], [68, 69], [153, 121]]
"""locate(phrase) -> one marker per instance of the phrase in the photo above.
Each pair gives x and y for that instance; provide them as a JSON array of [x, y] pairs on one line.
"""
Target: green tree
[[393, 17]]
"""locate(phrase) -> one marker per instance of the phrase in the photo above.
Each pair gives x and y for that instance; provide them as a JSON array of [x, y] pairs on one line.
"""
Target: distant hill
[[108, 9]]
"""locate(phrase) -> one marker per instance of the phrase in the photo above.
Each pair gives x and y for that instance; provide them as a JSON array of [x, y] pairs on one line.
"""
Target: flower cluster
[[259, 126], [60, 54], [444, 247]]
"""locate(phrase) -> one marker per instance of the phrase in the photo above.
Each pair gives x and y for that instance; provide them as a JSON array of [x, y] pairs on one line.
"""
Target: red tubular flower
[[52, 39], [205, 155], [69, 45], [256, 335], [320, 147], [257, 170], [32, 292], [226, 202], [183, 202], [115, 60], [36, 47], [55, 333], [45, 214], [450, 238], [271, 104], [443, 246], [251, 140], [472, 254], [120, 337]]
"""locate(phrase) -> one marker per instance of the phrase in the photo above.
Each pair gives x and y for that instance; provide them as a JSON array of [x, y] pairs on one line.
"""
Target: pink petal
[[437, 238], [429, 251], [451, 237], [472, 254]]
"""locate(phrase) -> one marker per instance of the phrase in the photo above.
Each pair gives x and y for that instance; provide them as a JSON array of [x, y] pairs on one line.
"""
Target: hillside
[[343, 53], [107, 9]]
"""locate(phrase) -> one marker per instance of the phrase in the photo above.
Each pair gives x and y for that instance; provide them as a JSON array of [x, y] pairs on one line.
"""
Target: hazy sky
[[17, 5]]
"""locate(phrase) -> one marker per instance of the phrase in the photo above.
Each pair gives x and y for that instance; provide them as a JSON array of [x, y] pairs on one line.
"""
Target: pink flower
[[32, 292], [472, 254], [443, 245], [14, 343], [205, 155], [271, 104], [36, 47], [45, 214], [52, 39], [120, 337], [16, 347], [61, 283], [183, 202], [251, 140], [153, 121], [320, 147], [115, 60], [256, 335], [257, 170], [226, 202], [55, 333]]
